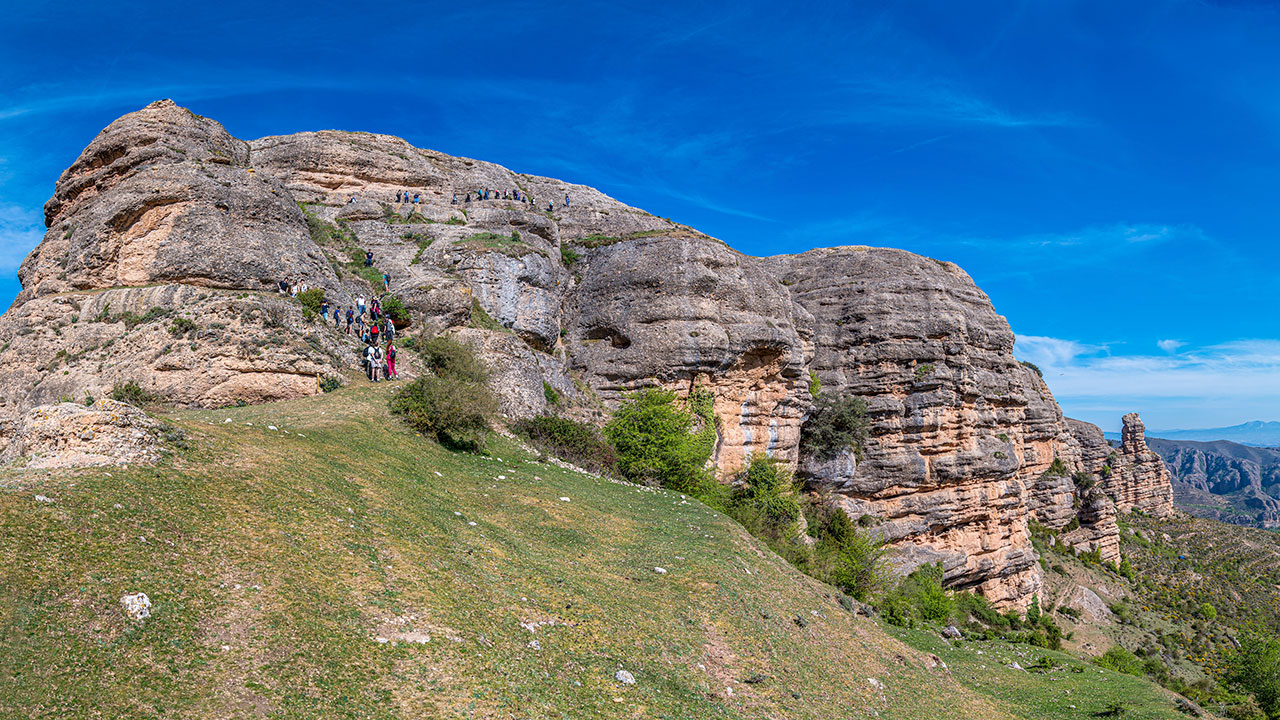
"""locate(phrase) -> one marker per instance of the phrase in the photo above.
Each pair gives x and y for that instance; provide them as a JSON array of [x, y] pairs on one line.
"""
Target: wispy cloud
[[1223, 383], [20, 231]]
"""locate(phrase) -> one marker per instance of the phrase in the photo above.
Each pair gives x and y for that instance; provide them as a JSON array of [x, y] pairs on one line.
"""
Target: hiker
[[566, 201], [377, 362], [551, 204], [324, 308], [391, 362], [360, 305], [351, 317], [468, 197], [389, 330], [386, 282], [397, 196], [284, 287], [455, 199], [337, 319], [415, 198], [367, 361], [368, 258], [373, 334]]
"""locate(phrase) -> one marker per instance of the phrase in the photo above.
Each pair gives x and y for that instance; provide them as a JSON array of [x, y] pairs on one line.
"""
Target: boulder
[[70, 435]]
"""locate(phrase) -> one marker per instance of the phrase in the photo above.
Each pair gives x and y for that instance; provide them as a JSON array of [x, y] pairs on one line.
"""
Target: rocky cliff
[[167, 236], [1138, 479]]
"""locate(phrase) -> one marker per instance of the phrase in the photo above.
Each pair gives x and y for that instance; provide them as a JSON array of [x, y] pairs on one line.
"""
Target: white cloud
[[1220, 384], [20, 231]]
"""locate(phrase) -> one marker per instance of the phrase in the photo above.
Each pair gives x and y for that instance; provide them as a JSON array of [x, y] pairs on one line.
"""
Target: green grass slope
[[339, 566]]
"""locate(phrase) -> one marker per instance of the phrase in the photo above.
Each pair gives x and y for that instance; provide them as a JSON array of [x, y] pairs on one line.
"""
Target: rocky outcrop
[[1139, 479], [687, 312], [1097, 526], [161, 196], [943, 469], [71, 435], [167, 235]]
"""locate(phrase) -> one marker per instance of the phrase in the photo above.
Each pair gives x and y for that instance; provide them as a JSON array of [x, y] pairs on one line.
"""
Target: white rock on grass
[[660, 571], [624, 677], [43, 499], [136, 606], [564, 499]]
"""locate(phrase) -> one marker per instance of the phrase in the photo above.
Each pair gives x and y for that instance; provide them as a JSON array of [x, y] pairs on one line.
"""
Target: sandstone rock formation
[[948, 402], [72, 435], [167, 235], [1139, 479]]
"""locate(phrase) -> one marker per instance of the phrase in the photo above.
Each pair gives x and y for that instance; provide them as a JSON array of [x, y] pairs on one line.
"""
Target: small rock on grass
[[624, 677], [136, 606], [660, 571]]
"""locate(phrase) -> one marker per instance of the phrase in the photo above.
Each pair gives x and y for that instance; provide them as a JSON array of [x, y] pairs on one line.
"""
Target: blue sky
[[1106, 171]]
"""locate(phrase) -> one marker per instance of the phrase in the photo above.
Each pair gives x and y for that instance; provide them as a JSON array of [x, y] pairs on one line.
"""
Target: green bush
[[1208, 611], [445, 356], [763, 494], [181, 326], [311, 300], [1033, 367], [851, 560], [578, 443], [656, 443], [837, 424], [452, 409], [453, 405], [815, 385], [923, 587], [568, 255], [550, 394], [132, 393], [1120, 660], [395, 310], [1255, 669]]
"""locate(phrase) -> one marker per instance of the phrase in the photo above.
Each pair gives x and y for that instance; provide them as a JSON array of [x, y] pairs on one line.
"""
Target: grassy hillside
[[339, 566]]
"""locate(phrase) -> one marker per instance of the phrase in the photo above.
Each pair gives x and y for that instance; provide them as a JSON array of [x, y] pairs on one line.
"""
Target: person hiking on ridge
[[324, 309], [351, 317], [373, 334], [337, 319], [391, 362], [397, 196], [386, 282], [368, 258]]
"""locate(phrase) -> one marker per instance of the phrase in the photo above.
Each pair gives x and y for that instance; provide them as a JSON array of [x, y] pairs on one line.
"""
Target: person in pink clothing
[[391, 362]]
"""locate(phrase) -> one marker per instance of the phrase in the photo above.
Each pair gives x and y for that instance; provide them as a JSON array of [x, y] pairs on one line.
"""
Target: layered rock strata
[[1139, 480], [167, 236]]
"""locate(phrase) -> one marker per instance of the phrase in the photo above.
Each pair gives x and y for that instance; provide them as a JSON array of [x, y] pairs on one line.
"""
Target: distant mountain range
[[1224, 480], [1258, 433]]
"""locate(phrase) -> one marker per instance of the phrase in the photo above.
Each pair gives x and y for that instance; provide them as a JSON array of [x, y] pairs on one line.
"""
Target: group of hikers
[[379, 364], [517, 195], [403, 196], [365, 320]]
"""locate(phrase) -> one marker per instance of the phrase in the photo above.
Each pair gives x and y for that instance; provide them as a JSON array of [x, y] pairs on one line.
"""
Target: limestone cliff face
[[689, 311], [1139, 480], [167, 236], [949, 406], [163, 195]]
